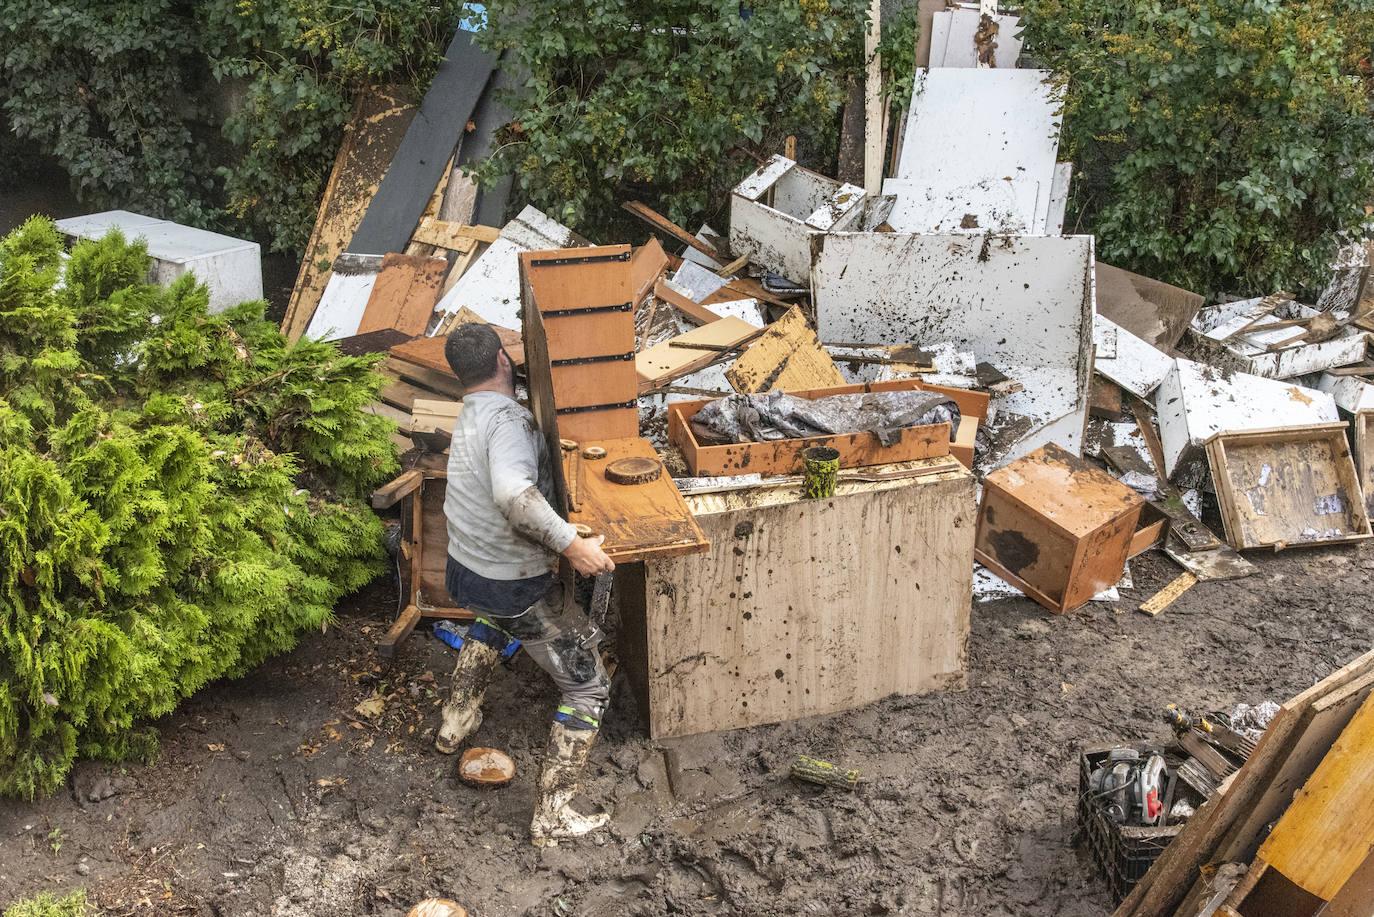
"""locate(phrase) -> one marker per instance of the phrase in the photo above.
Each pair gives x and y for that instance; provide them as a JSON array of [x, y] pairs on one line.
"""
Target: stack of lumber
[[1289, 833]]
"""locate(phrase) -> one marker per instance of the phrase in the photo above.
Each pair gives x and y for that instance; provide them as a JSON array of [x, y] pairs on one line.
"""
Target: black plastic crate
[[1123, 853]]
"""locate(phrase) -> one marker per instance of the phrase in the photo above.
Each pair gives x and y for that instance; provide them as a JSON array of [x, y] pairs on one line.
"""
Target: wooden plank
[[1288, 486], [1327, 832], [431, 415], [457, 237], [433, 567], [875, 111], [1150, 309], [385, 410], [1318, 726], [442, 383], [404, 295], [664, 225], [374, 130], [695, 311], [429, 352], [663, 362], [388, 495], [640, 521], [1169, 594], [1364, 456], [758, 631], [422, 158], [404, 624], [1355, 897], [787, 356], [402, 395], [647, 264], [1169, 879]]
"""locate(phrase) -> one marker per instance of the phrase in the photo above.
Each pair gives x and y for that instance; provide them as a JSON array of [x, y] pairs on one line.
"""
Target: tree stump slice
[[633, 470], [486, 767]]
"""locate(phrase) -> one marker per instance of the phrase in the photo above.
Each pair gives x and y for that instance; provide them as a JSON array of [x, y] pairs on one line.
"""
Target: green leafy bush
[[45, 905], [1220, 144], [660, 100], [181, 494]]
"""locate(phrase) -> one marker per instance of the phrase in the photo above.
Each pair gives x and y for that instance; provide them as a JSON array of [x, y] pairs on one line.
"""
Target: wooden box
[[1288, 486], [1056, 527], [784, 456], [803, 607]]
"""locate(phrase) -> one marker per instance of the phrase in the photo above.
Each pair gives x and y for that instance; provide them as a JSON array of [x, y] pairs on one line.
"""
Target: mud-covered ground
[[275, 796]]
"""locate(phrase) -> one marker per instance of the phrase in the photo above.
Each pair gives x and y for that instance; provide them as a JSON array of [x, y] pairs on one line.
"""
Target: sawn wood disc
[[633, 470]]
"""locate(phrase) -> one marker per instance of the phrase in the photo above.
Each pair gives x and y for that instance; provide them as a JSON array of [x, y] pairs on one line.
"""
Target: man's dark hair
[[471, 351]]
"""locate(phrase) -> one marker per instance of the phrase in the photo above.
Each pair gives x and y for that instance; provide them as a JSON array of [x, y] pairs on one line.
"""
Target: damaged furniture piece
[[1058, 528], [786, 616]]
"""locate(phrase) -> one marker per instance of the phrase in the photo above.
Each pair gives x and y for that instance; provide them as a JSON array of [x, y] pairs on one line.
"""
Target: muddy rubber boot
[[462, 711], [564, 761]]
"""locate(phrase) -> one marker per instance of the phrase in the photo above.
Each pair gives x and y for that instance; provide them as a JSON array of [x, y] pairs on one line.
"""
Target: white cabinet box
[[231, 268]]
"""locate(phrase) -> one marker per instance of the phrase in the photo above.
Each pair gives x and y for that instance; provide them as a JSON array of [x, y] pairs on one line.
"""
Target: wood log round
[[485, 767], [633, 470], [438, 907], [569, 445], [583, 531], [594, 453]]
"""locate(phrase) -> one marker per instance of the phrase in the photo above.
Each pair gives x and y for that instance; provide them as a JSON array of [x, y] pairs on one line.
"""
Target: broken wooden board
[[429, 352], [693, 310], [423, 155], [374, 130], [689, 352], [1326, 833], [1131, 363], [428, 415], [441, 382], [1288, 486], [404, 294], [1153, 311], [757, 631], [458, 237], [1056, 527], [787, 356], [641, 521], [1168, 595]]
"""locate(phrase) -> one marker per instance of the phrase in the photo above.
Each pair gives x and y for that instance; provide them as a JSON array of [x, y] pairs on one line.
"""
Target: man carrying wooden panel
[[504, 539]]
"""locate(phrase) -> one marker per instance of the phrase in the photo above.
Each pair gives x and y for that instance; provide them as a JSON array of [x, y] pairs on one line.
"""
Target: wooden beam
[[1166, 596], [404, 624], [388, 495], [875, 137], [663, 224], [693, 310]]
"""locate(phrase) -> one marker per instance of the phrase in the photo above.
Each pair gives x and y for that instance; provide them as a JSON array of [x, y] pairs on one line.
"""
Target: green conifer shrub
[[181, 495]]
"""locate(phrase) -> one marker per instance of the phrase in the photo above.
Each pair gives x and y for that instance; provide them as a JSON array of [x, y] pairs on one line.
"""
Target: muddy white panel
[[491, 286], [1352, 393], [1059, 198], [1023, 303], [1195, 402], [989, 205], [1129, 362], [345, 297], [967, 127], [772, 221], [952, 43]]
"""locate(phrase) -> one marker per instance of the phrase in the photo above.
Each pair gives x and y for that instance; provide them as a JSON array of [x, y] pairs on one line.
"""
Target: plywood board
[[787, 356], [663, 362], [374, 130], [759, 630], [1327, 832], [1024, 304], [1154, 311], [429, 352], [429, 144], [952, 43], [1288, 487], [404, 295]]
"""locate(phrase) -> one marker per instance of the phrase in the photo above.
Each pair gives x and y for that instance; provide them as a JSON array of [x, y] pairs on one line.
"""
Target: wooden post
[[875, 139]]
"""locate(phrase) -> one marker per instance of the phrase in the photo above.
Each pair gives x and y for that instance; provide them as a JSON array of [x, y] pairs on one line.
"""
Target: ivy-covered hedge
[[1223, 145], [181, 494]]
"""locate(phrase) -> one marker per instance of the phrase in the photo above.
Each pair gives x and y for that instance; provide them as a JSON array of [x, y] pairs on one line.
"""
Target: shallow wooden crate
[[1288, 486], [1056, 527], [803, 607], [856, 449]]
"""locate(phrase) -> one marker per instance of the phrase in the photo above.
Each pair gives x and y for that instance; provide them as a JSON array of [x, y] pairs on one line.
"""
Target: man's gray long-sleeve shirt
[[500, 484]]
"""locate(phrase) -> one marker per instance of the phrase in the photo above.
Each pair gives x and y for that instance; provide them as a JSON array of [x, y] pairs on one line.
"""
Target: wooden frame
[[1364, 456], [1278, 499], [784, 456], [422, 562]]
